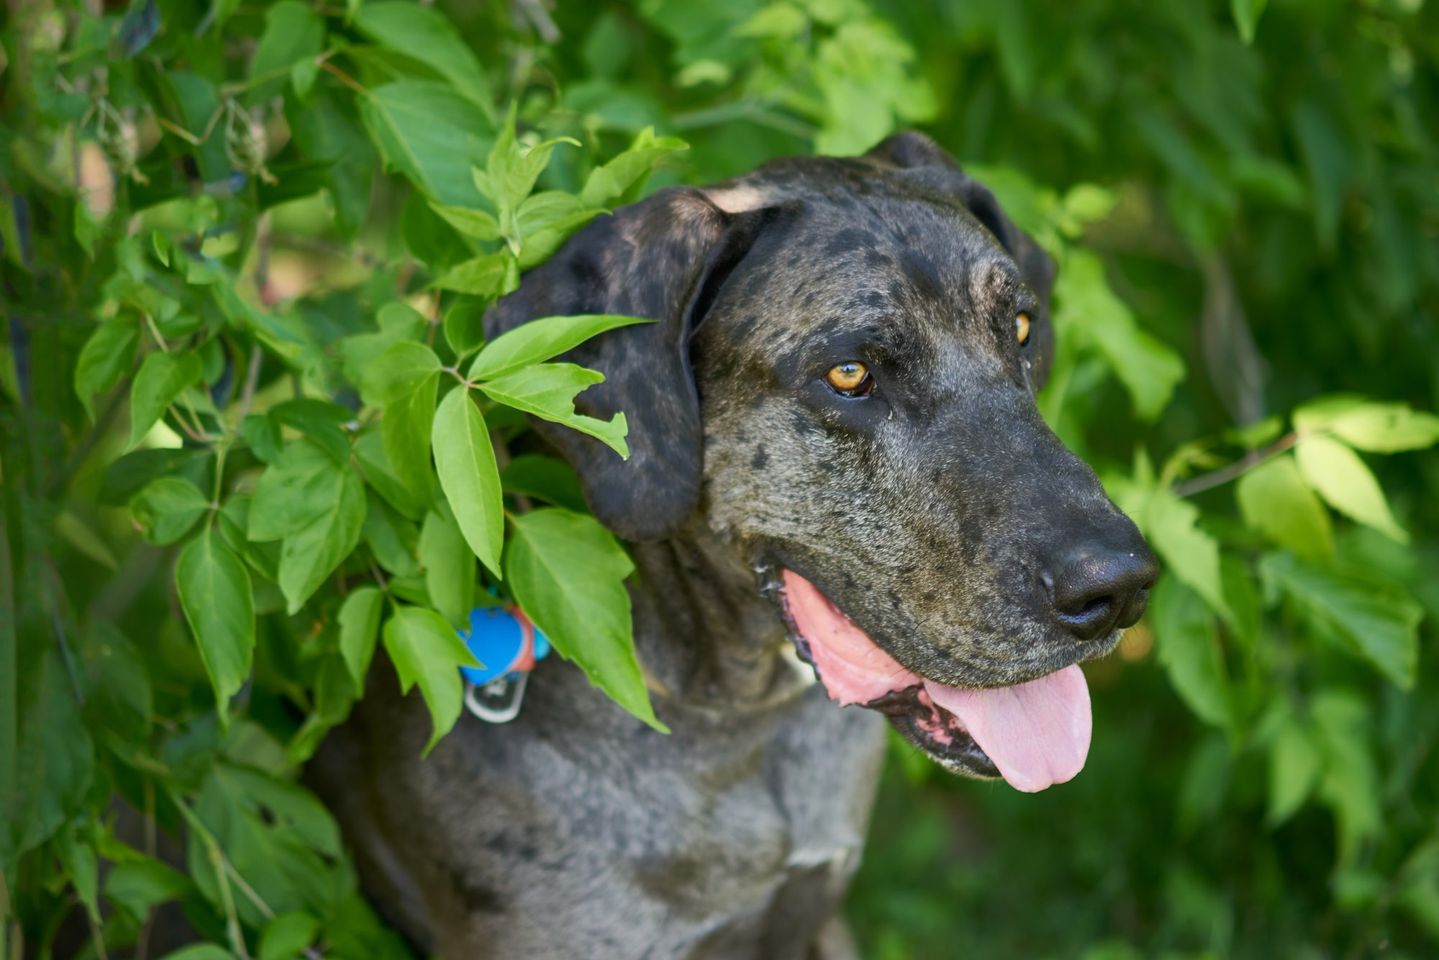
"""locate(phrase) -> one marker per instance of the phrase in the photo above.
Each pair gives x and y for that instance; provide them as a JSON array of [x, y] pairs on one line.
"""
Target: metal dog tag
[[499, 700]]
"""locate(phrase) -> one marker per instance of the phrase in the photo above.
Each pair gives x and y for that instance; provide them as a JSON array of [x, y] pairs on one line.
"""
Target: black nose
[[1099, 590]]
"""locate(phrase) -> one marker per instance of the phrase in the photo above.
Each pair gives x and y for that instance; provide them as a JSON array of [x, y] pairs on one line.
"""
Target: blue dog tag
[[496, 639], [508, 645]]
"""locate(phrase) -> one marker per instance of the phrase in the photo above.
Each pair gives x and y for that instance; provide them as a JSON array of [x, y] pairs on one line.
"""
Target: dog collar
[[508, 644]]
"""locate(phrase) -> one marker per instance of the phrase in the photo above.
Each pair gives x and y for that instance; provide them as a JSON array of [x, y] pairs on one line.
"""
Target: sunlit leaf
[[1188, 552], [1275, 499], [427, 651], [161, 378], [548, 390], [449, 566], [431, 134], [568, 575], [1346, 484], [1370, 425], [167, 508], [542, 339], [359, 620], [465, 461]]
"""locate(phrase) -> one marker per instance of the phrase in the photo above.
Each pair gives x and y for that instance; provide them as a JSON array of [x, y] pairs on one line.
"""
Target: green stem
[[1215, 478]]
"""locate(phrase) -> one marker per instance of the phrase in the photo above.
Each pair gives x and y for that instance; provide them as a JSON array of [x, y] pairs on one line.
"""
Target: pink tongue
[[1037, 733]]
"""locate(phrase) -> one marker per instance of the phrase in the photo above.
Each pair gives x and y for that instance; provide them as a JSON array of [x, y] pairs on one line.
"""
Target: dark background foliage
[[1242, 198]]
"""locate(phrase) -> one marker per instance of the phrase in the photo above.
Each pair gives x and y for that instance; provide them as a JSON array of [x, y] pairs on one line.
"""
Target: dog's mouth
[[1033, 734]]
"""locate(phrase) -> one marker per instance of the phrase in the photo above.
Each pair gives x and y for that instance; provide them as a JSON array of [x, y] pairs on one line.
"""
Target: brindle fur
[[928, 512]]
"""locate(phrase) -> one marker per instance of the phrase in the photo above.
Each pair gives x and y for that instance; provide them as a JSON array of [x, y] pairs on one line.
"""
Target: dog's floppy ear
[[915, 152], [665, 259]]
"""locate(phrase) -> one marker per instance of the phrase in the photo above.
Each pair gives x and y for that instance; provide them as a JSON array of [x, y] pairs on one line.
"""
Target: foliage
[[251, 428]]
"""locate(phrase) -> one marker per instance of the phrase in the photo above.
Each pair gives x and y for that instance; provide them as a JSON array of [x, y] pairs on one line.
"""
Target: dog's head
[[841, 381]]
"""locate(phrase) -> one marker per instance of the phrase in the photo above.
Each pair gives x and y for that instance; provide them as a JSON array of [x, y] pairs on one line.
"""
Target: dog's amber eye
[[850, 378], [1021, 327]]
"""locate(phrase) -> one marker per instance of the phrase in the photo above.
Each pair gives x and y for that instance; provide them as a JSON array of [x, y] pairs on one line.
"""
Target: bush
[[246, 253]]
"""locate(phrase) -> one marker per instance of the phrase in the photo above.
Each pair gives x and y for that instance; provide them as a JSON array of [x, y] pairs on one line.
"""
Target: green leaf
[[215, 594], [511, 168], [1368, 424], [399, 372], [335, 694], [490, 275], [1187, 647], [286, 936], [1350, 783], [541, 339], [167, 508], [323, 422], [427, 650], [359, 620], [620, 180], [293, 32], [465, 462], [293, 492], [1346, 484], [317, 507], [106, 356], [52, 754], [567, 573], [1274, 499], [392, 538], [264, 437], [1374, 618], [469, 221], [431, 134], [359, 353], [1294, 766], [1085, 305], [1327, 154], [1246, 16], [551, 210], [1188, 552], [465, 326], [311, 554], [137, 886], [405, 436], [161, 379], [380, 476], [548, 390], [547, 478], [449, 568], [429, 37], [82, 867]]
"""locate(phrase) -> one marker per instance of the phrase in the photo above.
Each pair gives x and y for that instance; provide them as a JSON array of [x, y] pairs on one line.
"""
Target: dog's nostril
[[1102, 590]]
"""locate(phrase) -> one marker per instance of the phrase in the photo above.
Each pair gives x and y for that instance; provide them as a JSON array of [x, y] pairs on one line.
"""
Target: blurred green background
[[1244, 199]]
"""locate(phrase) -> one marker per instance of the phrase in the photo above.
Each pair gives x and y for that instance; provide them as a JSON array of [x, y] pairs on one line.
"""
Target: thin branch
[[252, 381], [1215, 478], [344, 78]]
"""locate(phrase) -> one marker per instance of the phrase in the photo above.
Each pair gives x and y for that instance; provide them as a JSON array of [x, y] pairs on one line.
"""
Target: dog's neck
[[704, 634]]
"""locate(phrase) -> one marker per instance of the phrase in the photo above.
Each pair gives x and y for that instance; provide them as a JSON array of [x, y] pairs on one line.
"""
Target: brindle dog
[[833, 412]]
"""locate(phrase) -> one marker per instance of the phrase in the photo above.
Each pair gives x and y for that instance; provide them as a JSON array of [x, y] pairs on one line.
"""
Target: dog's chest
[[731, 840]]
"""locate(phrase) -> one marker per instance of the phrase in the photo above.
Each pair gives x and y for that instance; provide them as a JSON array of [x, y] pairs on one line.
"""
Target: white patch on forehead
[[738, 199], [992, 281]]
